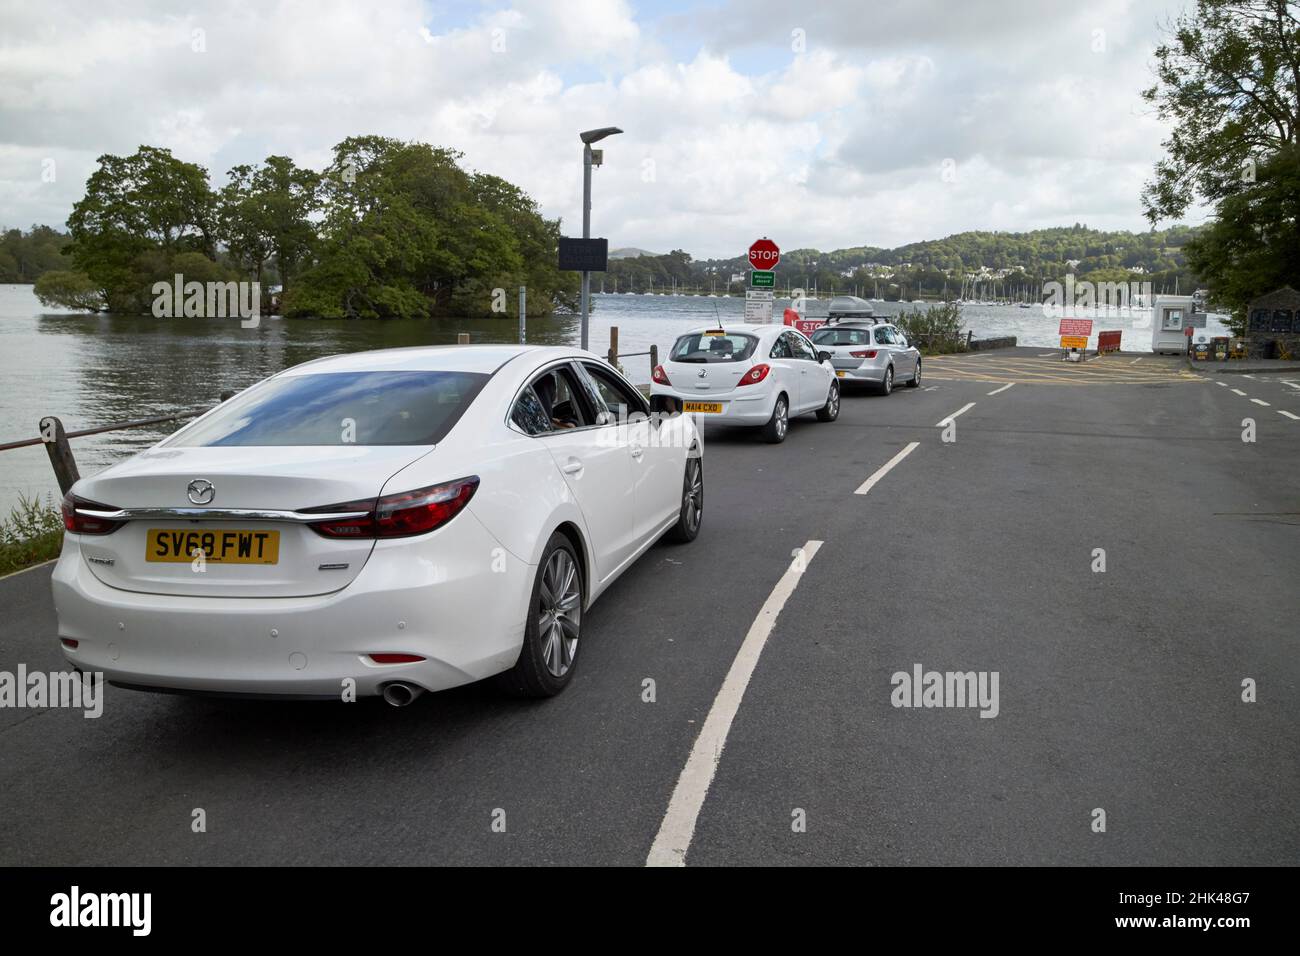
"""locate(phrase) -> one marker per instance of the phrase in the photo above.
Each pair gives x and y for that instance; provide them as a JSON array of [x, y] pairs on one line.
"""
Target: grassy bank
[[32, 533]]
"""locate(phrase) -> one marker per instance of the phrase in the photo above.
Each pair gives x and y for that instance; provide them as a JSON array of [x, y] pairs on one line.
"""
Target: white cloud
[[730, 132]]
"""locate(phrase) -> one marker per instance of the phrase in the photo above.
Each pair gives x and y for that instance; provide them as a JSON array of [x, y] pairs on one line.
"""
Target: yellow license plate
[[708, 408], [220, 547], [840, 374]]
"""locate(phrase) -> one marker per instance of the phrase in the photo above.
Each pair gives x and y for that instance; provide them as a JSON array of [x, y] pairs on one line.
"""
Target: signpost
[[1074, 333], [763, 257], [758, 306]]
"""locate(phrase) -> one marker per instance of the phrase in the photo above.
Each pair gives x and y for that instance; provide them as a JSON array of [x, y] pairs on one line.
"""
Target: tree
[[1253, 246], [24, 257], [264, 213], [135, 206], [1228, 79], [69, 290]]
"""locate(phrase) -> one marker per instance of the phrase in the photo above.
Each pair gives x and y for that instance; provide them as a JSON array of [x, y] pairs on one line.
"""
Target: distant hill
[[975, 264], [1042, 252]]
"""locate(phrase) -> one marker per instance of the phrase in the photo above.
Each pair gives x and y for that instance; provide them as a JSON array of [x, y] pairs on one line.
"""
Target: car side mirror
[[823, 357]]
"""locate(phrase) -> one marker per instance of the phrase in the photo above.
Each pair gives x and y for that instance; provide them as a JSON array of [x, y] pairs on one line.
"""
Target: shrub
[[32, 533], [936, 330]]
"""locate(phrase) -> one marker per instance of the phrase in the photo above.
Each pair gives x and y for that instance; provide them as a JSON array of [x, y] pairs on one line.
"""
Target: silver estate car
[[870, 353]]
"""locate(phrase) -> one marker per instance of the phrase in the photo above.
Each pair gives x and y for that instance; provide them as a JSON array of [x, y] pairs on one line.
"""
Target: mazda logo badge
[[200, 491]]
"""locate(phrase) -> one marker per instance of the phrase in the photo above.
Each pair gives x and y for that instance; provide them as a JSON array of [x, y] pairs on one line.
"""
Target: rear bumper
[[455, 598], [864, 374], [739, 406]]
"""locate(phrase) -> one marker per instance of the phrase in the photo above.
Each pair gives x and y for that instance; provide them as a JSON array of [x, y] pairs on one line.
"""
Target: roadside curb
[[14, 574], [1235, 369]]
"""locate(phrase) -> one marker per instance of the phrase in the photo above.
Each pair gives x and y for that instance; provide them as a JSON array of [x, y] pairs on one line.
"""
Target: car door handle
[[574, 467]]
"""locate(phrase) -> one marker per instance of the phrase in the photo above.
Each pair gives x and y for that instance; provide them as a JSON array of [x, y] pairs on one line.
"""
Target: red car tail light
[[76, 521], [401, 515], [867, 354], [395, 658], [660, 376], [754, 375]]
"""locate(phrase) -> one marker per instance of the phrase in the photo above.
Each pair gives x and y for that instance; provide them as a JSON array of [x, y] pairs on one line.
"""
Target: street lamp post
[[589, 157]]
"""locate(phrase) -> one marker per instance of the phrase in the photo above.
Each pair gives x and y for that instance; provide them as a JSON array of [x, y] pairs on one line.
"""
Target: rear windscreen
[[824, 336], [341, 408], [713, 347]]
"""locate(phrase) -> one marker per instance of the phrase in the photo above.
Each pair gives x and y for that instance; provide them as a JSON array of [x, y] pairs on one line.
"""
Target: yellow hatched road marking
[[1030, 371]]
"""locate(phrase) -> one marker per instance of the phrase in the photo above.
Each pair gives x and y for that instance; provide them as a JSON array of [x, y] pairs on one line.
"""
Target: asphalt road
[[1118, 690]]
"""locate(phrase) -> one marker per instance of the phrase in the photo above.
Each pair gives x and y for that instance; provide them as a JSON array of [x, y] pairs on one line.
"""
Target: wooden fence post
[[462, 338], [60, 452], [654, 359], [613, 345]]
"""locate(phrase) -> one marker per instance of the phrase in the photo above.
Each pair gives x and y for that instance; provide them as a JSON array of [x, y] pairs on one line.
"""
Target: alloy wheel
[[559, 613], [693, 503]]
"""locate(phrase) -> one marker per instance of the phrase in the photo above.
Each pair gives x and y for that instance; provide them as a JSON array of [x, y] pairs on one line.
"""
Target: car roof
[[729, 329], [856, 324], [446, 358]]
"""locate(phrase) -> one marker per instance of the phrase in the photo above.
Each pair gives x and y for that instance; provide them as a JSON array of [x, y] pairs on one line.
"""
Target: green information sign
[[759, 279]]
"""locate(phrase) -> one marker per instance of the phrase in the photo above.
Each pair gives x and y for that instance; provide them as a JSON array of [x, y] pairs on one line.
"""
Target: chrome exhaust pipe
[[400, 694]]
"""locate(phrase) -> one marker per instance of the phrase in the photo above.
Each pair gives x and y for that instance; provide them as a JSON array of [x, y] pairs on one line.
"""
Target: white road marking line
[[1251, 377], [1221, 384], [1291, 384], [885, 469], [1135, 361], [965, 408], [1283, 411], [1046, 354], [1260, 401], [1237, 391], [678, 826], [1002, 389]]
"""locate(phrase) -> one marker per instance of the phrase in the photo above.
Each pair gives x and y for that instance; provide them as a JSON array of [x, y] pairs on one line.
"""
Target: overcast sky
[[822, 124]]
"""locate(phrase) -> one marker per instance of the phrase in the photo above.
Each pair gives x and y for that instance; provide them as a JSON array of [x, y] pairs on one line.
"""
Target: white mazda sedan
[[380, 523], [753, 375]]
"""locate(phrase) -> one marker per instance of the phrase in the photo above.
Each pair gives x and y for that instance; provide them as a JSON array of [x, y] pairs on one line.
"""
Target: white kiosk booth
[[1170, 315]]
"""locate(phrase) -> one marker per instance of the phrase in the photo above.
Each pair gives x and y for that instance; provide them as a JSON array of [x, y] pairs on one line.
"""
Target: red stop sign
[[764, 255]]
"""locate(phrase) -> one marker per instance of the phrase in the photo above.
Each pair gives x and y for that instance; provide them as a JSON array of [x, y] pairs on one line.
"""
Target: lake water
[[94, 369]]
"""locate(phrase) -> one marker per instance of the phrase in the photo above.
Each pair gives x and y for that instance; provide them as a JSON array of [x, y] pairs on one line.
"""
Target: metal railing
[[613, 355], [55, 438]]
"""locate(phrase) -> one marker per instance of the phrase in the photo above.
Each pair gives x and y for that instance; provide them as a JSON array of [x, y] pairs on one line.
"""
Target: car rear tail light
[[69, 643], [77, 521], [864, 354], [754, 375], [402, 515], [660, 376], [395, 658]]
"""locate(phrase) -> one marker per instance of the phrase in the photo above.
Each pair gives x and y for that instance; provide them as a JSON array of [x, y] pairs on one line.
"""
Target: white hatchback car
[[755, 375], [387, 522]]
